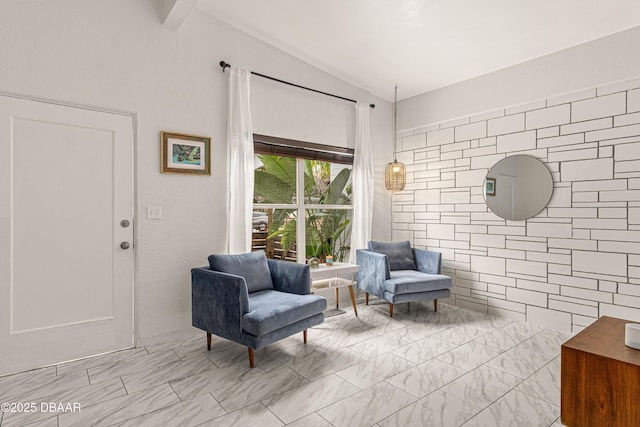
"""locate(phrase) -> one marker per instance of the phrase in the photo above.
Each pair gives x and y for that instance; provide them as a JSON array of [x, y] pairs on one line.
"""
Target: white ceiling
[[422, 44]]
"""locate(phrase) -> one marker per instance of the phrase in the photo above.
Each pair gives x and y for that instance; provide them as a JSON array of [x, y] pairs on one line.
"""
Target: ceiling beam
[[175, 12]]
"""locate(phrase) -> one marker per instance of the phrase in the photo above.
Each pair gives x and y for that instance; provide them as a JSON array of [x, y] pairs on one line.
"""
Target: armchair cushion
[[399, 254], [272, 310], [252, 266], [411, 281], [290, 277], [428, 261]]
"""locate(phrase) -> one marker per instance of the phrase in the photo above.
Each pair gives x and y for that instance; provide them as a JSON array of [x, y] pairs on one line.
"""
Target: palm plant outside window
[[289, 188]]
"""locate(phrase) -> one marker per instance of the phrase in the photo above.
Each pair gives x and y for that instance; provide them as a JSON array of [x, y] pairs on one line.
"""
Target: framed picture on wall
[[181, 153], [490, 187]]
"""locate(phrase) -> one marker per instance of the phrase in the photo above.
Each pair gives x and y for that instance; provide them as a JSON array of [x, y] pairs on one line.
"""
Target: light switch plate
[[154, 212]]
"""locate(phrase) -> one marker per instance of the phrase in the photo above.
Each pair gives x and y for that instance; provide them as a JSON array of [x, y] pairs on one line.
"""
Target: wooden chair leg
[[208, 341], [435, 305], [366, 298], [304, 336], [250, 357], [353, 300], [390, 310]]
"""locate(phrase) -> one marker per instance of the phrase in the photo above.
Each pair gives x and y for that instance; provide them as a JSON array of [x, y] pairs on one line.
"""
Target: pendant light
[[395, 174]]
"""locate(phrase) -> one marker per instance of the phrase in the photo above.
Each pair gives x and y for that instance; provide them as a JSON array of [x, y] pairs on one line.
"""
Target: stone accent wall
[[575, 261]]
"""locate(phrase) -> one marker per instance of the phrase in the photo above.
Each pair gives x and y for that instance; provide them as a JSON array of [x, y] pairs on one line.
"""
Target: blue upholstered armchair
[[253, 301], [396, 272]]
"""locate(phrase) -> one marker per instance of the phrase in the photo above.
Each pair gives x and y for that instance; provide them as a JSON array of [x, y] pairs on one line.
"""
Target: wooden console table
[[600, 377]]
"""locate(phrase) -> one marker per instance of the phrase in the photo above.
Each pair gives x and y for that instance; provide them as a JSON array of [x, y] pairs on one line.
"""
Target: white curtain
[[239, 163], [362, 183]]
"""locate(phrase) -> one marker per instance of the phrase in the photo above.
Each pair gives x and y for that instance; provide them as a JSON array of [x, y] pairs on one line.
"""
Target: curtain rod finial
[[224, 65]]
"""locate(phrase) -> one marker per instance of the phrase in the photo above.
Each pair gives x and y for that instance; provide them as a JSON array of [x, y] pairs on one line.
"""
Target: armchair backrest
[[252, 266], [399, 254]]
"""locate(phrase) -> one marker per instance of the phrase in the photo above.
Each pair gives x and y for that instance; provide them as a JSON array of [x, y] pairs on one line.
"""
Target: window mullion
[[329, 207], [301, 246]]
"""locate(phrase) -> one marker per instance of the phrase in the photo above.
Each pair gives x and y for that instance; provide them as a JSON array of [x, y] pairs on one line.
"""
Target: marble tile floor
[[451, 368]]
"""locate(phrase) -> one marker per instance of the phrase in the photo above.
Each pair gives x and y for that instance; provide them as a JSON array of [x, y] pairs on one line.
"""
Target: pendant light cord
[[395, 125], [395, 147]]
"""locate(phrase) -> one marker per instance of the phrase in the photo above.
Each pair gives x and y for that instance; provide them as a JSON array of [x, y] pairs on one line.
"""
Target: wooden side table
[[600, 377], [328, 277]]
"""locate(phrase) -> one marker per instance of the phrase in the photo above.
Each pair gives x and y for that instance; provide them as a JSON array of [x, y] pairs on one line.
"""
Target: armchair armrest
[[218, 302], [373, 272], [428, 261], [290, 277]]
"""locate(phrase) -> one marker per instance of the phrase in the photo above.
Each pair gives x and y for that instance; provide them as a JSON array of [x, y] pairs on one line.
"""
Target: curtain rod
[[225, 65]]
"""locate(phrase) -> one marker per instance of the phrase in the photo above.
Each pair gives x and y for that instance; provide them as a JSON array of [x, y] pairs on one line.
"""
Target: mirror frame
[[491, 185]]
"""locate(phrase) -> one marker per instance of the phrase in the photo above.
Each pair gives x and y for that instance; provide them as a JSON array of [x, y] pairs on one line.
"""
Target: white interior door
[[66, 183]]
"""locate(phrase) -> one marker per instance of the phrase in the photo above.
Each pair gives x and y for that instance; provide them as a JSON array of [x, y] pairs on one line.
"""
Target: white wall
[[578, 111], [591, 64], [116, 55], [575, 261]]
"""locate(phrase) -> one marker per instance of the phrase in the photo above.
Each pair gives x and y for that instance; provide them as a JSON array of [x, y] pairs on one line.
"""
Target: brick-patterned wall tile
[[546, 117], [584, 170], [455, 197], [571, 307], [557, 141], [441, 231], [507, 124], [543, 229], [613, 133], [506, 253], [539, 286], [516, 142], [601, 223], [600, 262], [602, 106], [531, 268], [626, 119], [483, 264], [527, 297], [633, 101], [629, 289], [470, 131], [627, 152], [548, 132], [568, 155], [586, 294], [470, 178], [626, 300], [620, 312], [440, 137], [579, 258], [552, 319], [413, 142], [590, 125]]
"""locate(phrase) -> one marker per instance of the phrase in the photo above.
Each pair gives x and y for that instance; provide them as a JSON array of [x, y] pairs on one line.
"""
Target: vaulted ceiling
[[421, 44]]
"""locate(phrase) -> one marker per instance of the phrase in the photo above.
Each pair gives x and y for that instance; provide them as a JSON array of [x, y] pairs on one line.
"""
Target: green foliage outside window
[[327, 230]]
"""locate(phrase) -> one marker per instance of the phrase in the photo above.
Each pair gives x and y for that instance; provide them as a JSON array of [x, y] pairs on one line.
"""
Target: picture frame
[[490, 187], [186, 154]]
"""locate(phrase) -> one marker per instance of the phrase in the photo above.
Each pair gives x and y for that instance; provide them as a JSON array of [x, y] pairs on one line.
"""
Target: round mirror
[[518, 187]]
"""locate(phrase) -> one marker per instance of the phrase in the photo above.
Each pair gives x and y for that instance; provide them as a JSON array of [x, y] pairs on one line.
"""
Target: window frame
[[301, 151]]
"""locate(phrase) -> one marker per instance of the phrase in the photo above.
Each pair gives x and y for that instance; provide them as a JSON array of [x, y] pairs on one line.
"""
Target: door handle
[[125, 245]]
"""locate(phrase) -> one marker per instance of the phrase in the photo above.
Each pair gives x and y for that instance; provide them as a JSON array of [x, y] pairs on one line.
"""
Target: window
[[295, 180]]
